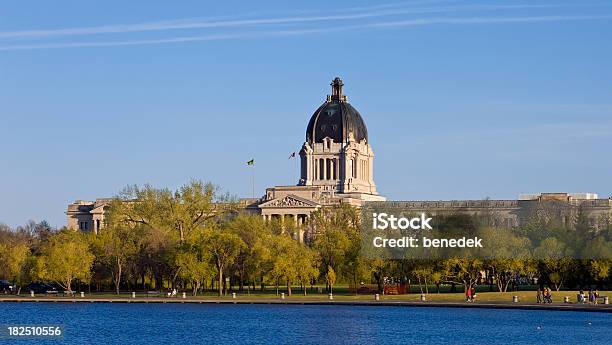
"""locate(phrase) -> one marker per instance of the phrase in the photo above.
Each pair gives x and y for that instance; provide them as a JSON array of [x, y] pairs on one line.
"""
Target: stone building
[[87, 215], [337, 166]]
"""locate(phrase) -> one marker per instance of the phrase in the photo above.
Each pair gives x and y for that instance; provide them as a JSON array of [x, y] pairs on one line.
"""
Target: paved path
[[305, 301]]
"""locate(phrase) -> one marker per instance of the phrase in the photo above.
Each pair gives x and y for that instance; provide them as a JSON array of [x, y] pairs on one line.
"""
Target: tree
[[66, 257], [13, 260], [466, 270], [181, 212], [600, 269], [224, 248], [306, 264], [113, 247], [195, 266], [284, 252], [508, 258], [293, 262], [255, 258], [555, 260], [336, 238], [330, 278]]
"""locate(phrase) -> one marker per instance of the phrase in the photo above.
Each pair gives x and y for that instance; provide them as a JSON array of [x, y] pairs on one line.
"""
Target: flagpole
[[253, 180], [295, 170]]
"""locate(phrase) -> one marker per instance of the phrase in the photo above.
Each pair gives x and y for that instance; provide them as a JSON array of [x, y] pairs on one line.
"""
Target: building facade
[[337, 166]]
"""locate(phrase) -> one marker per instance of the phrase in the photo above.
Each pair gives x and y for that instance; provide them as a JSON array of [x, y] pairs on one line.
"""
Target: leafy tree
[[330, 278], [13, 261], [284, 252], [336, 237], [114, 246], [224, 248], [466, 270], [255, 258], [306, 263], [555, 260], [600, 269], [195, 266], [66, 257], [181, 211]]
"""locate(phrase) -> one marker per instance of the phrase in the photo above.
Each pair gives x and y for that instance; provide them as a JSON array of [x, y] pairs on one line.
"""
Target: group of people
[[544, 296], [593, 296]]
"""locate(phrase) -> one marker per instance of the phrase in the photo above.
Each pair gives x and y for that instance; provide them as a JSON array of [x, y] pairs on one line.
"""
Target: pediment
[[289, 201]]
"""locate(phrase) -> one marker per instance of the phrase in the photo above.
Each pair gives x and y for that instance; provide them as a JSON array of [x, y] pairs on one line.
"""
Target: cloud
[[182, 24], [250, 33]]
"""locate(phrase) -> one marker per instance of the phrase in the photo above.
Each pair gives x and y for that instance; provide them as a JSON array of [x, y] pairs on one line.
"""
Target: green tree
[[600, 269], [114, 246], [330, 278], [195, 266], [555, 260], [466, 270], [181, 212], [255, 258], [224, 248], [336, 238], [306, 262], [13, 261], [64, 258]]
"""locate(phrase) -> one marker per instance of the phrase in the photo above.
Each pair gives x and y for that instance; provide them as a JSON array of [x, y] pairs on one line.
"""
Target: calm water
[[210, 324]]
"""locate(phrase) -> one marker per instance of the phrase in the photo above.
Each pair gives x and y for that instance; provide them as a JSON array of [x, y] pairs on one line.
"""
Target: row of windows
[[83, 225], [328, 169]]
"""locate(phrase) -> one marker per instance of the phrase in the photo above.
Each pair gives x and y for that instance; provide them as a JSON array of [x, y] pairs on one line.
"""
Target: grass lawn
[[343, 295]]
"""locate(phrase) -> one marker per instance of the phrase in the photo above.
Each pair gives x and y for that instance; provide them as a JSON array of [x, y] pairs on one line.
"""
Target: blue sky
[[462, 99]]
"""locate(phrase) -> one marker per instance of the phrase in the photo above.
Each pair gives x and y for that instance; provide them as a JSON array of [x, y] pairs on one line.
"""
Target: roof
[[336, 119]]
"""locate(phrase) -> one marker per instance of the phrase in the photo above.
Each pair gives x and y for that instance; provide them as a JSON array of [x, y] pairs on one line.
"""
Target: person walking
[[547, 295], [591, 296], [539, 296]]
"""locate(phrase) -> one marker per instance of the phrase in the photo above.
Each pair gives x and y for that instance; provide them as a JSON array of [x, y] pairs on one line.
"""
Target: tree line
[[197, 239]]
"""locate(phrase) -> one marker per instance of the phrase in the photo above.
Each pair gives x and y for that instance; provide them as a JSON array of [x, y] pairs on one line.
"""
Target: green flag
[[251, 162]]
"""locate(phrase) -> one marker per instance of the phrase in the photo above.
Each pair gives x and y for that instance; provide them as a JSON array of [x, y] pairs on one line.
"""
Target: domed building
[[337, 163], [337, 156], [337, 167]]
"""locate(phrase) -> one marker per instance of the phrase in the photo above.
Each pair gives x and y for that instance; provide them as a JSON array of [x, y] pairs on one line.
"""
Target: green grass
[[339, 295]]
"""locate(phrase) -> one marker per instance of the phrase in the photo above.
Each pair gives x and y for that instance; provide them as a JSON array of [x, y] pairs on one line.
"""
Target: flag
[[251, 162], [292, 155]]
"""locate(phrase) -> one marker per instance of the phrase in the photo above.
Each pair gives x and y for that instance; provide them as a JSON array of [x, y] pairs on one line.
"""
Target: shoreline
[[602, 308]]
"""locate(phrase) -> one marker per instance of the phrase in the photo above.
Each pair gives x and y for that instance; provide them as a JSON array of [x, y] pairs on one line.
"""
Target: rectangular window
[[83, 225]]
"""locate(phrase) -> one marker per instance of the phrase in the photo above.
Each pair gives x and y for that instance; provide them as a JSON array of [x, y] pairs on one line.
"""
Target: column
[[324, 168]]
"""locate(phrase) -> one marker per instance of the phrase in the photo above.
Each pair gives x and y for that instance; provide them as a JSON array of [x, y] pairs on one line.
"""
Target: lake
[[114, 323]]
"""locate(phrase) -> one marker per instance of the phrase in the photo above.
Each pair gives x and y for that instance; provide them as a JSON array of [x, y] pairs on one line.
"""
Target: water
[[210, 324]]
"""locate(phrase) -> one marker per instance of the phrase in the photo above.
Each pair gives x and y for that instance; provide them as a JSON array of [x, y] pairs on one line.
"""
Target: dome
[[336, 119]]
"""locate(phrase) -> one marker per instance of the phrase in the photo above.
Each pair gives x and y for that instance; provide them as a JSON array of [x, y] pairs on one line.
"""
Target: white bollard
[[82, 294], [184, 295], [423, 299], [282, 295], [377, 297], [515, 299], [331, 296], [31, 293], [133, 294], [606, 300], [233, 295]]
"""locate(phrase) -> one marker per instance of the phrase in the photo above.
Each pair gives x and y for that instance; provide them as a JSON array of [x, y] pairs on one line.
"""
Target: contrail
[[181, 24], [413, 22]]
